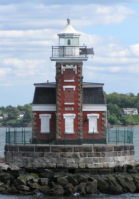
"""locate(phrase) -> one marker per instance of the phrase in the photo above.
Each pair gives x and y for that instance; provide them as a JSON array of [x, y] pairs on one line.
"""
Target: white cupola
[[69, 36], [69, 49]]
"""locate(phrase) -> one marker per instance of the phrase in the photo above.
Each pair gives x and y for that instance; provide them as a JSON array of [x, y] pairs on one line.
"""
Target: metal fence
[[119, 136], [113, 136], [18, 136]]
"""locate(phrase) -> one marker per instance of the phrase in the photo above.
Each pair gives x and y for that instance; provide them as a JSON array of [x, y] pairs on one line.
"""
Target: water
[[98, 196]]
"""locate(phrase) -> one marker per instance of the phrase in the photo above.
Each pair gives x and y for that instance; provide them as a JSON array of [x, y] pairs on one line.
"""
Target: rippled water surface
[[98, 196]]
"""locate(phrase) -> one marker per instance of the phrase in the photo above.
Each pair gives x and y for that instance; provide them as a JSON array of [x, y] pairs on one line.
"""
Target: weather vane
[[68, 21]]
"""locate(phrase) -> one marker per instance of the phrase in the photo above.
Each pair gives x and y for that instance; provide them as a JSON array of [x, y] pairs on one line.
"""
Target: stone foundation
[[70, 156]]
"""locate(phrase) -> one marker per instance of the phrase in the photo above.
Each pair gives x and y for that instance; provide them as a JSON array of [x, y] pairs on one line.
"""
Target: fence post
[[24, 136], [124, 136], [14, 135], [116, 136]]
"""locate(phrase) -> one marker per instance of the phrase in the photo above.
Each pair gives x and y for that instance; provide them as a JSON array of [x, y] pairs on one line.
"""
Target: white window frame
[[69, 119], [45, 123], [93, 123], [69, 86]]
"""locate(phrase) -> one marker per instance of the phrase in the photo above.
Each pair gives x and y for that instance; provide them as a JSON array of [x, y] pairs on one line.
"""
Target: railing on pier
[[124, 135], [18, 136], [111, 136], [69, 51]]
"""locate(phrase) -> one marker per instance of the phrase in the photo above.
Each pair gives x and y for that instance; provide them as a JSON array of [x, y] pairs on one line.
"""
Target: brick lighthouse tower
[[69, 84], [69, 111]]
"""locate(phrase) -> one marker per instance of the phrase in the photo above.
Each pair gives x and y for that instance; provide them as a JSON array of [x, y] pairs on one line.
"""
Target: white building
[[130, 111]]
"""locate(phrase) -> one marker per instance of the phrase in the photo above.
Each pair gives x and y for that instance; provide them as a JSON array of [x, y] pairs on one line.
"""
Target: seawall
[[70, 156]]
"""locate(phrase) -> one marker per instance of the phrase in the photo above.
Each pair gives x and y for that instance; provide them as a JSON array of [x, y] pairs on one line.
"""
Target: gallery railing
[[69, 51], [111, 136]]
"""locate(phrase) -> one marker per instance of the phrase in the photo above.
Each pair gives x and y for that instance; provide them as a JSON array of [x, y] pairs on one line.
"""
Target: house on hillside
[[130, 111]]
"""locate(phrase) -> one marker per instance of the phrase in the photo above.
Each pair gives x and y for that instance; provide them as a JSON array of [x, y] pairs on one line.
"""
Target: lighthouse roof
[[45, 93], [69, 29]]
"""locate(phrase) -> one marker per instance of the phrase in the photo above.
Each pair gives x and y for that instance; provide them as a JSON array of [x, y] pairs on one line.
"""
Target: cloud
[[40, 15], [27, 33], [73, 2], [4, 72], [135, 49], [25, 68]]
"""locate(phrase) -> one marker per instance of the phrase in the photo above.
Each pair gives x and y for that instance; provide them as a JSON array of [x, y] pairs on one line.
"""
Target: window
[[69, 95], [45, 123], [69, 123], [92, 122], [69, 42]]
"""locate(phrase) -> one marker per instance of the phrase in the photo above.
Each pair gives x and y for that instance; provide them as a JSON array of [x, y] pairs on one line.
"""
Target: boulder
[[71, 179], [91, 187], [114, 186], [46, 173], [57, 190], [23, 188], [33, 185], [62, 180], [6, 177], [81, 178], [127, 182], [136, 181], [81, 188], [25, 178], [43, 181], [4, 167], [69, 189], [2, 187], [44, 189], [103, 185]]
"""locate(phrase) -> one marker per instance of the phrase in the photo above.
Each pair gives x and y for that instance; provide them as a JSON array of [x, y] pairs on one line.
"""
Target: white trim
[[67, 66], [69, 123], [70, 86], [42, 107], [68, 59], [86, 107], [94, 107], [67, 115], [69, 103], [70, 80], [92, 123], [45, 122], [93, 115]]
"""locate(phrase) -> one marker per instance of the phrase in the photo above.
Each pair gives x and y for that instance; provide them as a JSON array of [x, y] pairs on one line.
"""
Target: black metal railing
[[69, 51], [124, 135], [18, 136], [111, 136]]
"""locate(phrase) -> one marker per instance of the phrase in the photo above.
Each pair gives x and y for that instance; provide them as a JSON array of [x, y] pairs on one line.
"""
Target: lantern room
[[69, 46]]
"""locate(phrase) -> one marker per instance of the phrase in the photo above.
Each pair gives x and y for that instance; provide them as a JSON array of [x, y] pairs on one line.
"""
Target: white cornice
[[43, 107], [94, 107], [86, 107]]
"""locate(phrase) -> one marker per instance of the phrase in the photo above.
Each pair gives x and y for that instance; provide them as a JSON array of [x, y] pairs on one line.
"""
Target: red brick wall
[[69, 95], [37, 125], [69, 74], [61, 107]]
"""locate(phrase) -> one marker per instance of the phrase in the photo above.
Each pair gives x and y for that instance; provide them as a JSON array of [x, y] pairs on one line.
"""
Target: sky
[[28, 29]]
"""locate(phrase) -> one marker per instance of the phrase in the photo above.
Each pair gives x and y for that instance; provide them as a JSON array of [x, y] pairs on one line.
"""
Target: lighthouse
[[69, 119], [69, 110]]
